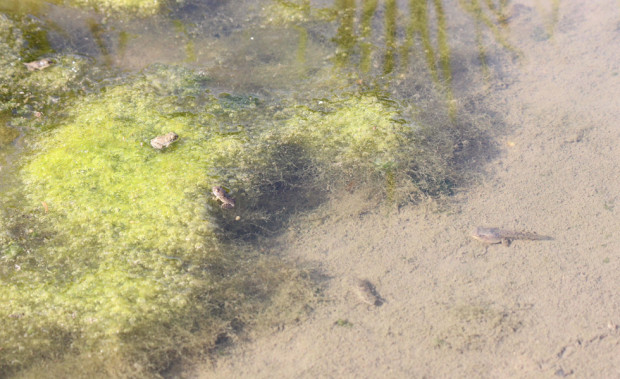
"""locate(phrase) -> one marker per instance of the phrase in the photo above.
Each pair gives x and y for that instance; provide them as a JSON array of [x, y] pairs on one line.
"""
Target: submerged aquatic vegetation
[[110, 251], [357, 132], [115, 251], [11, 42], [114, 258], [27, 94], [365, 138]]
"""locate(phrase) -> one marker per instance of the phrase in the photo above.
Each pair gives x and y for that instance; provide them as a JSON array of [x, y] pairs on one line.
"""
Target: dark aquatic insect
[[39, 65], [223, 196]]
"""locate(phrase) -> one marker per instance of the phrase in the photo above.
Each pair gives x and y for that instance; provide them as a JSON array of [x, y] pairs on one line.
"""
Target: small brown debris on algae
[[367, 292]]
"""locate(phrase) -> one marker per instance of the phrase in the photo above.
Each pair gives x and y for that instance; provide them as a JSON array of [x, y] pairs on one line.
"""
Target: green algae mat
[[113, 250], [109, 249]]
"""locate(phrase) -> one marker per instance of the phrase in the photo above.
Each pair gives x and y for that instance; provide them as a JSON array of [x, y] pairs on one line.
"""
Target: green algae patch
[[357, 132], [366, 140], [349, 142], [7, 135], [27, 95], [11, 43], [111, 252], [100, 172]]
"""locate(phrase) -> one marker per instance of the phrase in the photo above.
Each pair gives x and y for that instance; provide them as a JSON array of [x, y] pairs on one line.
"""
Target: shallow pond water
[[115, 258]]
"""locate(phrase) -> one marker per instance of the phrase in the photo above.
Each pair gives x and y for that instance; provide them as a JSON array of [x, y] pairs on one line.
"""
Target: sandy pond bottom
[[454, 308]]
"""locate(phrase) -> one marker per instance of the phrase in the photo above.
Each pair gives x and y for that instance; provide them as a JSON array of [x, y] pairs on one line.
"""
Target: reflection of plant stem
[[498, 11], [302, 46], [408, 43], [444, 56], [368, 10], [190, 51], [344, 36], [476, 10], [123, 40], [482, 55], [442, 42], [555, 14], [98, 33], [390, 35], [419, 23], [390, 185]]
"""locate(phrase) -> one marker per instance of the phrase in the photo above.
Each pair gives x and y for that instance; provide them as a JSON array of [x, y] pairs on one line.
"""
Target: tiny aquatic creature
[[505, 237], [39, 65], [166, 140], [367, 292], [223, 196]]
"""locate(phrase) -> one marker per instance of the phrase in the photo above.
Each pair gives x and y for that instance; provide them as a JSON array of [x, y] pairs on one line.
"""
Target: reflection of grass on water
[[383, 38]]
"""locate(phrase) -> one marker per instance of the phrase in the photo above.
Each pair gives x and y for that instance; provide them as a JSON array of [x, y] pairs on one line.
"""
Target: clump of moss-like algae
[[364, 139], [122, 263], [26, 93]]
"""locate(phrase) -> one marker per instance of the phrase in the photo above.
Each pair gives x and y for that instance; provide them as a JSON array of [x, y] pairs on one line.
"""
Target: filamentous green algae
[[114, 254], [27, 94], [366, 138], [102, 172], [359, 131]]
